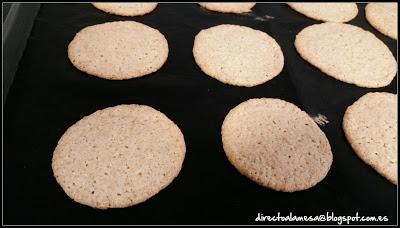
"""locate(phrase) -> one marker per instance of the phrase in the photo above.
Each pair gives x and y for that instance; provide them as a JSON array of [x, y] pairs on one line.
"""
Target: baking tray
[[48, 95]]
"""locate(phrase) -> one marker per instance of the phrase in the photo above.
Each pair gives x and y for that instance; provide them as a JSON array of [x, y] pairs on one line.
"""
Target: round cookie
[[126, 9], [238, 55], [276, 145], [370, 126], [383, 17], [229, 7], [347, 53], [118, 50], [330, 12], [119, 156]]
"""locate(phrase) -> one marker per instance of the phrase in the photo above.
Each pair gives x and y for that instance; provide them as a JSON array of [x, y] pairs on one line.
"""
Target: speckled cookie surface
[[118, 157], [118, 50], [383, 17], [238, 55], [329, 12], [276, 145], [229, 7], [347, 53], [126, 9], [370, 126]]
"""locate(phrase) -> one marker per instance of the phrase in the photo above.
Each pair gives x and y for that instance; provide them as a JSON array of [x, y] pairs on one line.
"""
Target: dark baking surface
[[49, 95]]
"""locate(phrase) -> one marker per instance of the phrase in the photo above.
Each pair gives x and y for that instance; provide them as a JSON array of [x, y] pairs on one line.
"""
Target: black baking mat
[[49, 95]]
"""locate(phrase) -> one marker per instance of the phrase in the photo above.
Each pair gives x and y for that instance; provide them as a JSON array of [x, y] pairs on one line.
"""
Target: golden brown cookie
[[347, 53], [370, 125], [329, 12], [276, 145], [126, 9], [383, 17], [238, 55], [118, 50], [119, 156], [229, 7]]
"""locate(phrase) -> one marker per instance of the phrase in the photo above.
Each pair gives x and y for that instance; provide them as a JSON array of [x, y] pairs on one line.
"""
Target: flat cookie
[[126, 9], [229, 7], [276, 145], [370, 126], [347, 53], [238, 55], [383, 17], [119, 156], [330, 12], [118, 50]]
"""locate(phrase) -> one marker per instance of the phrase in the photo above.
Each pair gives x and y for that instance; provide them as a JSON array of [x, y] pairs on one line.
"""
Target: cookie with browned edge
[[370, 126], [328, 12], [243, 7], [347, 53], [126, 8], [118, 50], [238, 55], [276, 145], [119, 156], [383, 17]]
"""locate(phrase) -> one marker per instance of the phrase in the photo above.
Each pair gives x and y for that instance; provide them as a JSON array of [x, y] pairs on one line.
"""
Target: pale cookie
[[383, 17], [229, 7], [126, 9], [118, 50], [347, 53], [370, 126], [119, 156], [238, 55], [276, 145], [332, 12]]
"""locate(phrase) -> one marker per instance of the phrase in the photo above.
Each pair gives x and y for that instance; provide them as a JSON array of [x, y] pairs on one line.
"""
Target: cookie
[[276, 145], [383, 17], [238, 55], [347, 53], [329, 12], [370, 126], [118, 50], [229, 7], [126, 9], [119, 156]]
